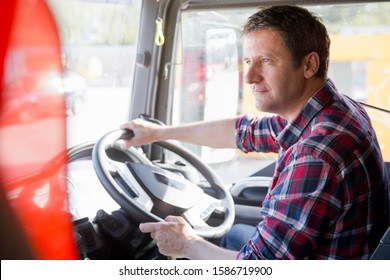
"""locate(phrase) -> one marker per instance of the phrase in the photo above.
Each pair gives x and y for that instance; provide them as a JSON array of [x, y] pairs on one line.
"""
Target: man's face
[[277, 84]]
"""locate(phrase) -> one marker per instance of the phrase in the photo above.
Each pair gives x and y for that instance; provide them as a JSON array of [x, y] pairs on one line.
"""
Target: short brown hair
[[302, 32]]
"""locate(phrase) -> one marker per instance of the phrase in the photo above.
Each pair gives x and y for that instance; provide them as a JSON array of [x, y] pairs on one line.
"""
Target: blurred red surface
[[33, 129]]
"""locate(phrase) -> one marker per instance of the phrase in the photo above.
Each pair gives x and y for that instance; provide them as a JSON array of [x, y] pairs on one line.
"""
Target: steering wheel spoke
[[122, 175], [198, 215]]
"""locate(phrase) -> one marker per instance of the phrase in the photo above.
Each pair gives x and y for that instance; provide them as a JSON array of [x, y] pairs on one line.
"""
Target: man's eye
[[265, 60]]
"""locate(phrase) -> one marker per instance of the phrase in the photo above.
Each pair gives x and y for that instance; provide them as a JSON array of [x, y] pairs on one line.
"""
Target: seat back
[[382, 252]]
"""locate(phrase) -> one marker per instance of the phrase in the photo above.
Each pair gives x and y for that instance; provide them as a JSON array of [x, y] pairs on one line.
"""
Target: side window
[[209, 83], [360, 60]]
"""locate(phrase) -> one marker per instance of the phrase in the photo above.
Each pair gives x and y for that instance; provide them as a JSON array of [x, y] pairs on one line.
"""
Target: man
[[329, 195]]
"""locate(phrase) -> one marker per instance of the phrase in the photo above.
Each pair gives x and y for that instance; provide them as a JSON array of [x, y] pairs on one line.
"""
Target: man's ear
[[311, 63]]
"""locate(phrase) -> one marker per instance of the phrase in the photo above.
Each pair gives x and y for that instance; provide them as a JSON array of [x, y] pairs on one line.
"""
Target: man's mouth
[[259, 90]]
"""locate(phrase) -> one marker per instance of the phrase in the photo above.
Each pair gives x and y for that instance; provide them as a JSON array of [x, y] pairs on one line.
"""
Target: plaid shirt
[[329, 198]]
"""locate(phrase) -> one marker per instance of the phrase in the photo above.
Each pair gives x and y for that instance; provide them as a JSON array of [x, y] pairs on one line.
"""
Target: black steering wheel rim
[[138, 207]]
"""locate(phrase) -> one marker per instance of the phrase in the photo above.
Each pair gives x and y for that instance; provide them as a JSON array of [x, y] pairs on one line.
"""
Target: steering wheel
[[149, 193]]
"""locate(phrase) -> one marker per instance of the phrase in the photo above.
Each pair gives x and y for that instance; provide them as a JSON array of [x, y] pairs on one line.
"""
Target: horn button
[[170, 192]]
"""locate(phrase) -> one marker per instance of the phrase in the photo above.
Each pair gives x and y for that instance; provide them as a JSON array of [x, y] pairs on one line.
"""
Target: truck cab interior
[[69, 191]]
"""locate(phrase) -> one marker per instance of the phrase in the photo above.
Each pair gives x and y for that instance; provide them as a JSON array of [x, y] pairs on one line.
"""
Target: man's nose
[[253, 75]]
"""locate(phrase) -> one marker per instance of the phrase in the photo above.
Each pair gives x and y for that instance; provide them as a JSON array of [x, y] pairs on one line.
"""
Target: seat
[[382, 252]]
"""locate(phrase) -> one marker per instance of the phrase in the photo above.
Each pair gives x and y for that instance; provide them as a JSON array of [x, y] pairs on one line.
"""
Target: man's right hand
[[144, 133]]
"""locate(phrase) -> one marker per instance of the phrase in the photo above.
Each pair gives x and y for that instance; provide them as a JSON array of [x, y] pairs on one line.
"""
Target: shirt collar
[[294, 129]]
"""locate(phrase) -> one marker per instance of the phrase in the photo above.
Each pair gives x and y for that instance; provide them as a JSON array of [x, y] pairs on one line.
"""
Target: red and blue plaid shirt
[[329, 198]]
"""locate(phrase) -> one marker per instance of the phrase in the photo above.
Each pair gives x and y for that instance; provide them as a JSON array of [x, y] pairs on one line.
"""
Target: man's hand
[[174, 237], [144, 132]]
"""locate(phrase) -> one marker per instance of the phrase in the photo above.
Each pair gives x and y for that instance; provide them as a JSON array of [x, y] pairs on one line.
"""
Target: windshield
[[98, 52]]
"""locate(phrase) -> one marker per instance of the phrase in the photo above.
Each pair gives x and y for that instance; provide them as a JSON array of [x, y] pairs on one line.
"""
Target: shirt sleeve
[[258, 134], [298, 208]]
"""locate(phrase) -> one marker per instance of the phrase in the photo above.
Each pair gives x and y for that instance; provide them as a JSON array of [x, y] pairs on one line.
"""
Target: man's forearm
[[216, 134]]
